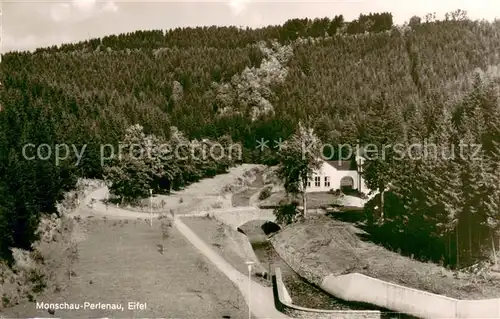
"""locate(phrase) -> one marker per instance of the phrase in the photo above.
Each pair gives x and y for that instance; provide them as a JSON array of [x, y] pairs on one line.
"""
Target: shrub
[[286, 213], [165, 226], [202, 265], [265, 193], [250, 172], [37, 256], [5, 300], [217, 204], [73, 256], [37, 279]]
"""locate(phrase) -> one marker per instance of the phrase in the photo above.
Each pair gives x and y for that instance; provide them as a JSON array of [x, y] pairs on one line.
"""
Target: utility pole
[[151, 207], [107, 193], [249, 264]]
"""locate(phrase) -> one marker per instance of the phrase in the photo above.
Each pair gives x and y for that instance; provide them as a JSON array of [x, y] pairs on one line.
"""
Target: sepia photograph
[[250, 159]]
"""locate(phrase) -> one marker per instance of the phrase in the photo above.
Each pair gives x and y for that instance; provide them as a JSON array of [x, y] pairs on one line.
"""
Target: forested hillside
[[365, 80]]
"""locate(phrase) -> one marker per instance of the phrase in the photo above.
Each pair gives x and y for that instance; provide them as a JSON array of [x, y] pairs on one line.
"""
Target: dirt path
[[260, 298], [249, 196]]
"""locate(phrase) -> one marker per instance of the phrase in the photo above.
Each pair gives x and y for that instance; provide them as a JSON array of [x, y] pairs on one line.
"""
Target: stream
[[305, 294], [302, 292]]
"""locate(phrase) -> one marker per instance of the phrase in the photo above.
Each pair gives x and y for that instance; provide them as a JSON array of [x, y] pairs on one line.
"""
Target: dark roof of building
[[342, 165]]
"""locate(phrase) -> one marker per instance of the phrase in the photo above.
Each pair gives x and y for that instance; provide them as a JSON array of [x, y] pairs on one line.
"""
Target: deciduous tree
[[299, 156]]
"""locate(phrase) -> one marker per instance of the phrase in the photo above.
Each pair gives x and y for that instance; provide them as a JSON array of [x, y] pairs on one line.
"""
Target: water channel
[[302, 292]]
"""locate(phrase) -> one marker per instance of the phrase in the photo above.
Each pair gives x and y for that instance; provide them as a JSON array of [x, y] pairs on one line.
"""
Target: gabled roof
[[341, 165]]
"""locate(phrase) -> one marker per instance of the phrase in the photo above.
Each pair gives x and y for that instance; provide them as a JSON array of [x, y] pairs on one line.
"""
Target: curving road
[[261, 298]]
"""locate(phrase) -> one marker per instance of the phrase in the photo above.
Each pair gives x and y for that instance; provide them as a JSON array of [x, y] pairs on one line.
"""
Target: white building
[[337, 175]]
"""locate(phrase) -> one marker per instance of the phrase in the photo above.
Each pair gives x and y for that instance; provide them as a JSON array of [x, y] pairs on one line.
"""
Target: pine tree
[[383, 130]]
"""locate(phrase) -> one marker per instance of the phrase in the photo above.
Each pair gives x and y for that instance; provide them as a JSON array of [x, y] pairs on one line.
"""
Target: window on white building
[[309, 183], [327, 181], [317, 181]]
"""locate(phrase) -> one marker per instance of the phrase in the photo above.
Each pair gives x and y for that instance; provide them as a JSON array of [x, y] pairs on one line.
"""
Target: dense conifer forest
[[364, 81]]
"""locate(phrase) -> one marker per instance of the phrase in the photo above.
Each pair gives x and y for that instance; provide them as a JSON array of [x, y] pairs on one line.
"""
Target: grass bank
[[231, 245], [314, 200], [120, 262], [44, 268], [323, 246]]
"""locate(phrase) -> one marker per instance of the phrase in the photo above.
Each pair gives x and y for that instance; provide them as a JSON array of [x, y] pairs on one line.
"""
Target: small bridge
[[237, 216]]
